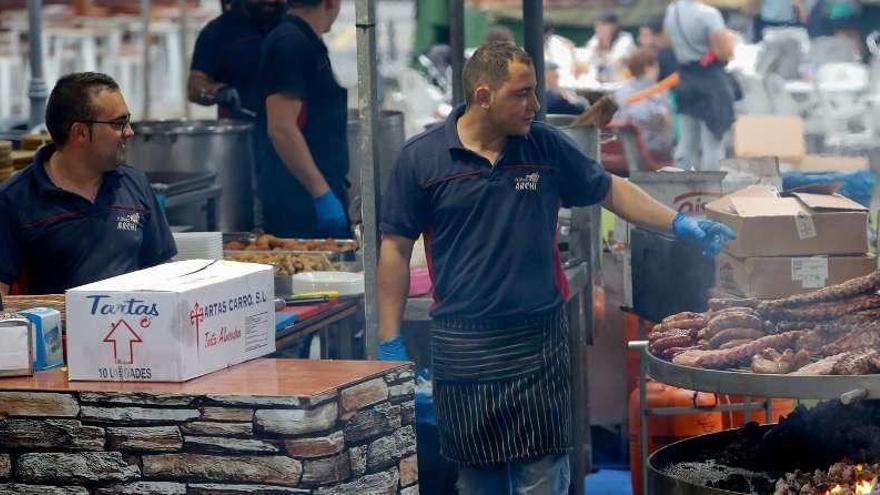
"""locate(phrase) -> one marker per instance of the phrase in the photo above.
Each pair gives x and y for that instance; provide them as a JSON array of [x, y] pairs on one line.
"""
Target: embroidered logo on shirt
[[528, 182], [128, 222]]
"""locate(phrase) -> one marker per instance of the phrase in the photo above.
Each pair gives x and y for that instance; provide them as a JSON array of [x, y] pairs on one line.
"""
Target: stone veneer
[[357, 440]]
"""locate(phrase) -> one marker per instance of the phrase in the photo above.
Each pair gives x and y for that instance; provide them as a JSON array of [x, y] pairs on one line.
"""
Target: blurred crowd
[[691, 42]]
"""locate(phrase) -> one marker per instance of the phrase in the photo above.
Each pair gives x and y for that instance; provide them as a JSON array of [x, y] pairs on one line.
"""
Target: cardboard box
[[779, 136], [783, 276], [830, 163], [170, 323], [767, 224]]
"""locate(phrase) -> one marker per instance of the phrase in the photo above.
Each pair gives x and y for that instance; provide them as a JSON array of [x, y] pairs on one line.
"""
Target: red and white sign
[[122, 340]]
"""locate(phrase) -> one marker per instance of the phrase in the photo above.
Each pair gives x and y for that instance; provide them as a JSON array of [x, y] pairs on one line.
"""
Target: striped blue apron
[[502, 387]]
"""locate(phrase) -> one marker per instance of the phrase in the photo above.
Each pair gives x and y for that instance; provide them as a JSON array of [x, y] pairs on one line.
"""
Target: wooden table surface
[[259, 377]]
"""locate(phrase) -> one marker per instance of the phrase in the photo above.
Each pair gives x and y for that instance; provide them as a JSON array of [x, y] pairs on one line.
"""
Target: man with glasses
[[77, 214]]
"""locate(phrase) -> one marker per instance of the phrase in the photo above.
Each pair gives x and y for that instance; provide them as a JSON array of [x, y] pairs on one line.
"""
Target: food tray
[[286, 263], [844, 387], [344, 248]]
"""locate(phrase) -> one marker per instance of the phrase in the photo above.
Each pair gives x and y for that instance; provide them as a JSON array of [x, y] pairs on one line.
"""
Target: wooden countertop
[[259, 377]]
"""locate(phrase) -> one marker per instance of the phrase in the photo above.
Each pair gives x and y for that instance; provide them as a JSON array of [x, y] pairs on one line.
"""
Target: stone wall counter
[[267, 426]]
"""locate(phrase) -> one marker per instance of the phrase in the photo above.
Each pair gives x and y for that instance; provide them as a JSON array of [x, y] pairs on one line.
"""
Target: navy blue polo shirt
[[53, 240], [490, 231], [228, 50], [294, 62]]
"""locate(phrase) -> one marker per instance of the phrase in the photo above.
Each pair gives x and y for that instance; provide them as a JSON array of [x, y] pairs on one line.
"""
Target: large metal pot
[[586, 136], [223, 147], [391, 137]]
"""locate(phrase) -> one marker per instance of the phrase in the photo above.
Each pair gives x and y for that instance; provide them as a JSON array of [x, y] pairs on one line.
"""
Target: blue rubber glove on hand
[[708, 234], [393, 350], [331, 215]]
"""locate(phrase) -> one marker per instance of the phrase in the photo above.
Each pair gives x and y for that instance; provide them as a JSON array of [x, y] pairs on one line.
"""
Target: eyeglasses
[[118, 125]]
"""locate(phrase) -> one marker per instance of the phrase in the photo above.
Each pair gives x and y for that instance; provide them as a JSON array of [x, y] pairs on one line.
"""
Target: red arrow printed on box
[[121, 334]]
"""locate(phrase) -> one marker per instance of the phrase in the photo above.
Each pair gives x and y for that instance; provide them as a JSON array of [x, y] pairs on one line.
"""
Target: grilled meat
[[773, 362], [736, 333], [850, 288], [723, 358], [823, 366], [859, 362], [824, 310]]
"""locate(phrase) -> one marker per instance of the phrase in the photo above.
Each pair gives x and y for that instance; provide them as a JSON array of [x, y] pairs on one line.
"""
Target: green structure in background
[[432, 25], [575, 23]]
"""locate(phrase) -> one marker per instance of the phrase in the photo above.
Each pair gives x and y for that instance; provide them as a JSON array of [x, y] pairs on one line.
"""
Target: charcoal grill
[[751, 459], [846, 389]]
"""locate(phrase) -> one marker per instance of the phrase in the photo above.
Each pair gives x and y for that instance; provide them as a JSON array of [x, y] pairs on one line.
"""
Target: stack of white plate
[[198, 245]]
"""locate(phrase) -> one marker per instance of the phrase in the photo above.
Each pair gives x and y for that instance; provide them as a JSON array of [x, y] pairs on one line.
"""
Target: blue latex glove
[[331, 215], [393, 350], [708, 234]]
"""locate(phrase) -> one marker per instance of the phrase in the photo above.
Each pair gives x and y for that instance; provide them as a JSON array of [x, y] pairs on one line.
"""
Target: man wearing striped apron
[[484, 189]]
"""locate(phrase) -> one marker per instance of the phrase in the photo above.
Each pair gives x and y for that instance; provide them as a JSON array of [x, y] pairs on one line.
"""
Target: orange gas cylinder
[[663, 430], [778, 407]]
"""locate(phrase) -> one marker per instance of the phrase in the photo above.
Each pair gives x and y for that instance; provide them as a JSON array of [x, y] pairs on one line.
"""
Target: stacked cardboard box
[[789, 244], [781, 137]]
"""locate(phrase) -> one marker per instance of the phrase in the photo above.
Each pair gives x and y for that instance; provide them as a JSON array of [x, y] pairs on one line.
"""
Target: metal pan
[[346, 252], [844, 387]]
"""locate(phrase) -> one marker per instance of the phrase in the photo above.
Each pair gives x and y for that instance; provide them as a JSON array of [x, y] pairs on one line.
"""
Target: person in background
[[226, 57], [78, 214], [607, 49], [653, 116], [303, 148], [499, 33], [560, 50], [651, 35], [843, 20], [557, 99], [775, 13], [704, 95], [485, 189]]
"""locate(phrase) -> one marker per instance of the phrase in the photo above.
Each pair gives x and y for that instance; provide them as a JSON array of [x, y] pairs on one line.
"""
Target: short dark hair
[[488, 65], [71, 101], [655, 24], [608, 18], [499, 33], [640, 60]]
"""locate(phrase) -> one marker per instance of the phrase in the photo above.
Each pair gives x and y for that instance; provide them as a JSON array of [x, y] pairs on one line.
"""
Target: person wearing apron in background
[[705, 93], [301, 132], [485, 189], [226, 58]]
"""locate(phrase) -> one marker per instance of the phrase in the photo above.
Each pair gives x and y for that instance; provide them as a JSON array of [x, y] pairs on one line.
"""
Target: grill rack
[[845, 388]]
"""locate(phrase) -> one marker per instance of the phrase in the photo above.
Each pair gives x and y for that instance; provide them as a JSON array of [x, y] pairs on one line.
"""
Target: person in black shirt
[[557, 100], [301, 138], [484, 190], [226, 57], [77, 214]]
